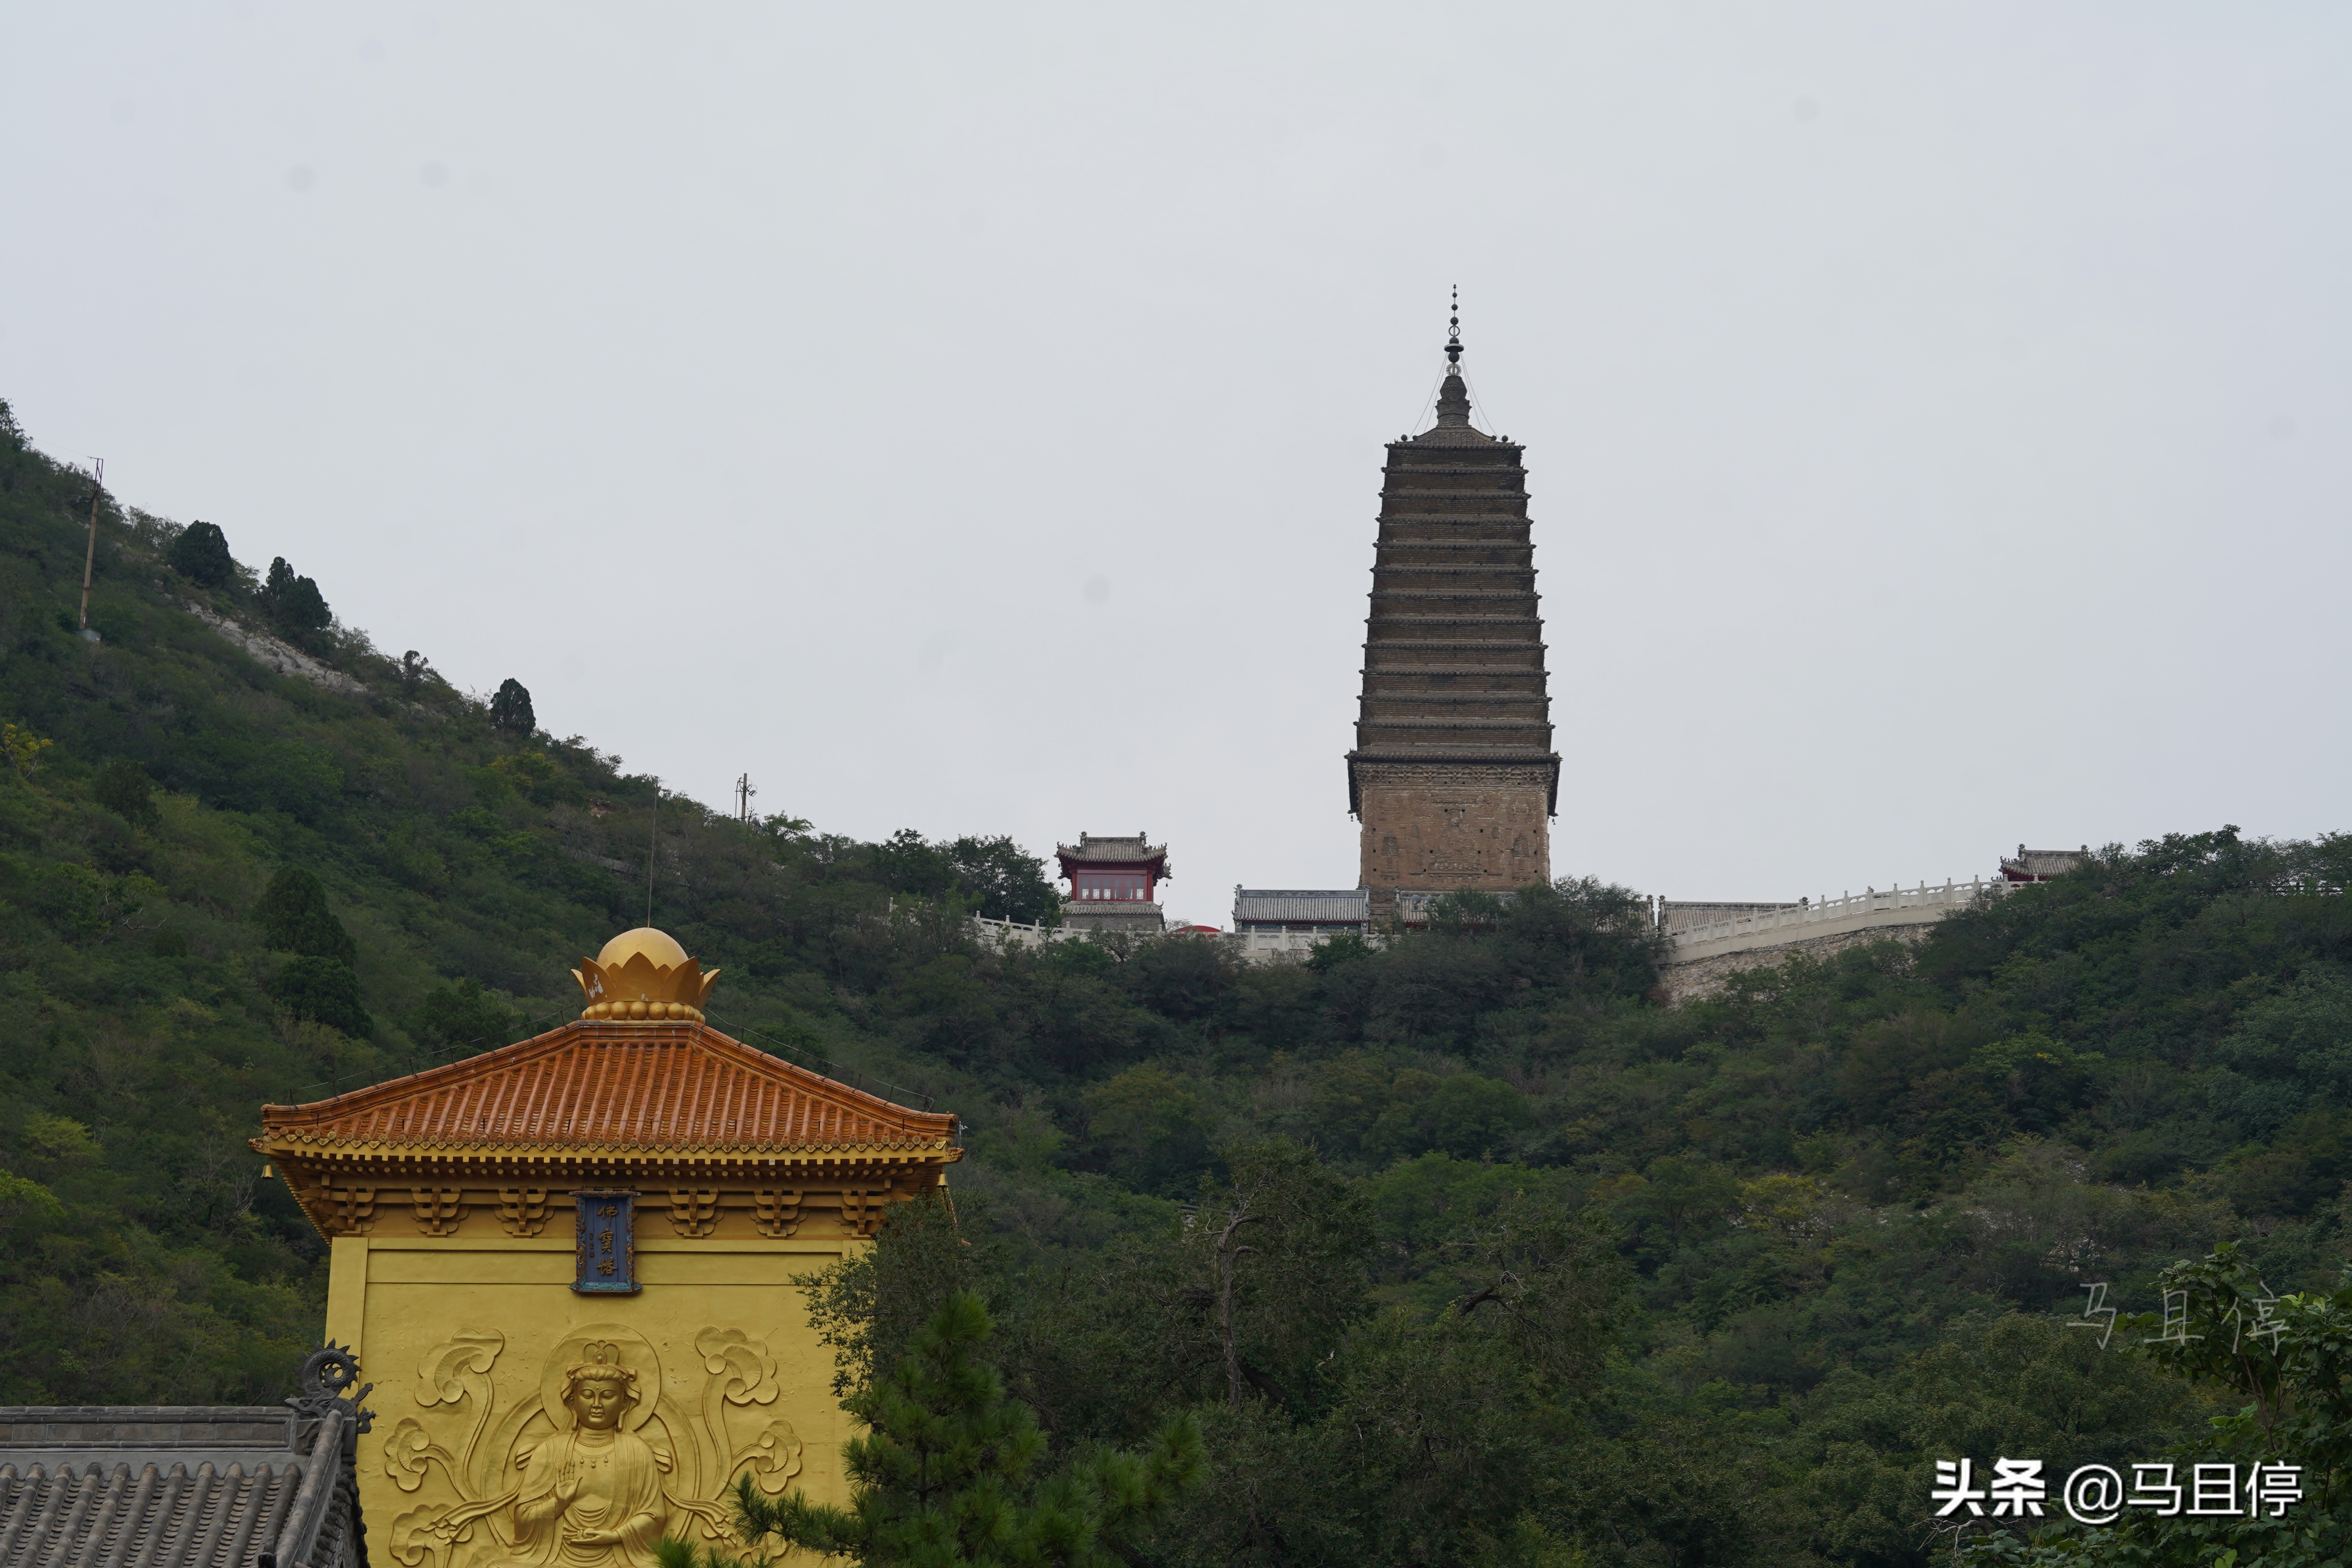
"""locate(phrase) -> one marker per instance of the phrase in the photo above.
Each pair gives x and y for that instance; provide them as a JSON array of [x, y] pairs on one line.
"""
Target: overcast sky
[[969, 418]]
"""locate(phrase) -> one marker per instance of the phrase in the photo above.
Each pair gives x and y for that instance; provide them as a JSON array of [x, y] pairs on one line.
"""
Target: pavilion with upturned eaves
[[1114, 884]]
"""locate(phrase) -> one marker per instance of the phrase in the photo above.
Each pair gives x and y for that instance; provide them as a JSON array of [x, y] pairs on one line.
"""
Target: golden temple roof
[[593, 1086]]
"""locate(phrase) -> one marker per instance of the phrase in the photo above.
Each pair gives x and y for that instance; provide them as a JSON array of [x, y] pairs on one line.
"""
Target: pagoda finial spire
[[1453, 392]]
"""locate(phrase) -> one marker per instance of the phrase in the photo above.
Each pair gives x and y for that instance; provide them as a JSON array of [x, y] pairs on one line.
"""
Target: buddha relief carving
[[592, 1498], [593, 1468]]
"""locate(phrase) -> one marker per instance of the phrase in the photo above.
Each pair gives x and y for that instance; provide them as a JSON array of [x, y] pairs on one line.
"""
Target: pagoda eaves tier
[[1454, 777], [721, 1137]]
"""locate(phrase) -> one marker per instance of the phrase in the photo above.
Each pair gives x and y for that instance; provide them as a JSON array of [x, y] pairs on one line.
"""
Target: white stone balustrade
[[1871, 907], [1017, 933]]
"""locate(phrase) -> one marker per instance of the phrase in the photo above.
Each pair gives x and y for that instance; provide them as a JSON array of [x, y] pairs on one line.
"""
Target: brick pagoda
[[1454, 776]]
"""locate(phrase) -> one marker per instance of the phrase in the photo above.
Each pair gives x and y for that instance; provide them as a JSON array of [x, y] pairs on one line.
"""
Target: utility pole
[[744, 790], [89, 560]]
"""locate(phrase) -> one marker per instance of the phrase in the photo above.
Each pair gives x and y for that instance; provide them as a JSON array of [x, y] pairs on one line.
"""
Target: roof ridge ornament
[[330, 1387], [1454, 332], [643, 976]]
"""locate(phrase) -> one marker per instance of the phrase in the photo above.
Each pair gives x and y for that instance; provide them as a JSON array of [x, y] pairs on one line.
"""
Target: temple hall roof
[[608, 1085], [1332, 906]]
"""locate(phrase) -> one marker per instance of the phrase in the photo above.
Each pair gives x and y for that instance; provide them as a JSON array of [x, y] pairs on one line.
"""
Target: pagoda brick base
[[1449, 828]]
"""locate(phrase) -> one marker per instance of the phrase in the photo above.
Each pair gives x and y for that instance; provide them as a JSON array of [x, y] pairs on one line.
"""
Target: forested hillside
[[1541, 1270]]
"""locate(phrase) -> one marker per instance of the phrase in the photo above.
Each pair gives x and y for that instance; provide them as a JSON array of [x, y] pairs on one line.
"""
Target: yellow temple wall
[[467, 1338]]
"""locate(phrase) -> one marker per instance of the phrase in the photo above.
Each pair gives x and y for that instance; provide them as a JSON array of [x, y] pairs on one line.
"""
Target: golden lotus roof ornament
[[643, 976]]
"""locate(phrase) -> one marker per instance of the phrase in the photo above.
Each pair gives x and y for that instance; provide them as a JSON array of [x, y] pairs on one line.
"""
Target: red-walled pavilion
[[1114, 883]]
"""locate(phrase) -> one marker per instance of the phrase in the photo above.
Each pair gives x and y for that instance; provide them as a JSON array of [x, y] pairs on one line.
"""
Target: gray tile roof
[[177, 1486], [1090, 848], [1324, 905], [2036, 865]]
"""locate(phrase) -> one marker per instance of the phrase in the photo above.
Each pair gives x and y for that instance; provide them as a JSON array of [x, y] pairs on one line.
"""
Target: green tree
[[123, 788], [1684, 1492], [200, 554], [949, 1471], [1547, 1281], [869, 1308], [326, 990], [2290, 1052], [2020, 1383], [1149, 1123], [993, 875], [1451, 1431], [1464, 1114], [294, 916], [1673, 1200], [1184, 978], [1009, 883], [1279, 1248], [2289, 1360], [462, 1014], [510, 711], [294, 603], [23, 748]]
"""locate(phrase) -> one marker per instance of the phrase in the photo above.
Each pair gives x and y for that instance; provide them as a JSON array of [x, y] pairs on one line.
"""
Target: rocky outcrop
[[280, 656]]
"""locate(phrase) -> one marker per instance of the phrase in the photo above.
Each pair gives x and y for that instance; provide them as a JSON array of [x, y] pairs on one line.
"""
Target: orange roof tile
[[597, 1084]]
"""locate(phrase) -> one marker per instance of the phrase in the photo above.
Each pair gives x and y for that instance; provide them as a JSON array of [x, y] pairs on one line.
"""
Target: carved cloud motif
[[744, 1370], [415, 1543], [408, 1454], [775, 1456]]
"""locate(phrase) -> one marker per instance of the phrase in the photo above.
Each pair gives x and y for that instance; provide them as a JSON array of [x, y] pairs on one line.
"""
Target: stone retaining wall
[[1700, 977]]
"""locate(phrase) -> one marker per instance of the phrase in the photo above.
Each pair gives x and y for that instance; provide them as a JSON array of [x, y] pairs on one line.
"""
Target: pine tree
[[326, 990], [293, 601], [201, 554], [294, 915], [511, 708], [318, 982], [123, 788], [946, 1475]]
